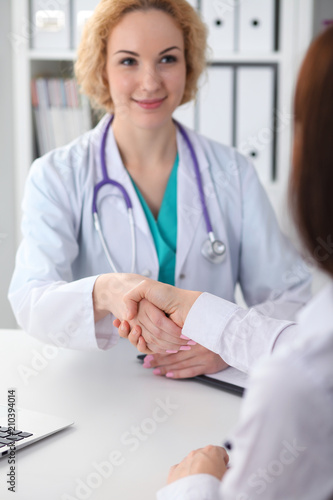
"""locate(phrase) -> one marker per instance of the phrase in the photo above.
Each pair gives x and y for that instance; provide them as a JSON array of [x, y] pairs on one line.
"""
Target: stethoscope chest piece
[[214, 251]]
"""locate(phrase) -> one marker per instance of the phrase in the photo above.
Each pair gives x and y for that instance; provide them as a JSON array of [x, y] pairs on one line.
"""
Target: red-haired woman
[[283, 445]]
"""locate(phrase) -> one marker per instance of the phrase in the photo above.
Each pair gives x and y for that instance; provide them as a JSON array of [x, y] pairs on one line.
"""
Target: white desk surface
[[105, 393]]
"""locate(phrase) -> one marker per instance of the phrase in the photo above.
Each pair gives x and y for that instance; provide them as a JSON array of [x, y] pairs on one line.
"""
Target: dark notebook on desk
[[229, 380]]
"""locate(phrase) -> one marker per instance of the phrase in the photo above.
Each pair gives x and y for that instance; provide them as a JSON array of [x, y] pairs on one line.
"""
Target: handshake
[[155, 315], [151, 316]]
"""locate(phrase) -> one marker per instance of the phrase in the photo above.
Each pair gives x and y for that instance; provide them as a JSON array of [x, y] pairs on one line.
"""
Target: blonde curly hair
[[90, 68]]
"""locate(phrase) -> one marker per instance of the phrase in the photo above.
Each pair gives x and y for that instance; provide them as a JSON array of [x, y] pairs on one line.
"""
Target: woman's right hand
[[211, 460], [162, 333]]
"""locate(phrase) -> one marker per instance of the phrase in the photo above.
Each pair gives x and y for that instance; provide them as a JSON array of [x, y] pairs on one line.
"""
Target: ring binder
[[52, 26]]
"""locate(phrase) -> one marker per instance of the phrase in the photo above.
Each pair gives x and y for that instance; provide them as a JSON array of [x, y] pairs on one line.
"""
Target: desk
[[108, 395]]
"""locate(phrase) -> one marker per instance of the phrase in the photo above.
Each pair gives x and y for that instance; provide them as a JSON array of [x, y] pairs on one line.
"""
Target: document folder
[[221, 23], [82, 11], [256, 26], [255, 132], [216, 105], [52, 25]]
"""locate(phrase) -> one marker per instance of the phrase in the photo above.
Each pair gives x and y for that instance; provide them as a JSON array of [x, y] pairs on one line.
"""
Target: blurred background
[[245, 98]]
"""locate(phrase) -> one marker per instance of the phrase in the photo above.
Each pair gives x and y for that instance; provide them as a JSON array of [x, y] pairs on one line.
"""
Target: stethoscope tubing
[[107, 181], [198, 176]]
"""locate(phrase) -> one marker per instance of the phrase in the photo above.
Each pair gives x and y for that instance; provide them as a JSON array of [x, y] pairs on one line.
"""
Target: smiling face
[[146, 68]]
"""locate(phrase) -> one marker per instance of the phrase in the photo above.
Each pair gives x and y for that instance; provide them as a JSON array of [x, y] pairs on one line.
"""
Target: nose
[[151, 80]]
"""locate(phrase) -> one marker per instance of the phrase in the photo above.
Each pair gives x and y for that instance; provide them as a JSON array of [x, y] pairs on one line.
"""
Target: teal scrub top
[[164, 229]]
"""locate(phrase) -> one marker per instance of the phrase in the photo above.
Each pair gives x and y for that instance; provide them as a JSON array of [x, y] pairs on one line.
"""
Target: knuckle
[[157, 319]]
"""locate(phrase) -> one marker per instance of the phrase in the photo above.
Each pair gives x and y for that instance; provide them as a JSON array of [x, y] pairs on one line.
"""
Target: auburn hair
[[311, 186]]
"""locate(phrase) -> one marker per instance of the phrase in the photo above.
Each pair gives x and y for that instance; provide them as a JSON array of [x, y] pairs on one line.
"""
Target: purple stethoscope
[[212, 249]]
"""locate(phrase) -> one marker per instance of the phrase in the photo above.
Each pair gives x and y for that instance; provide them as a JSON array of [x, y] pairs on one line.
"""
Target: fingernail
[[172, 352], [157, 371], [169, 375], [191, 342], [147, 361], [185, 348], [184, 338]]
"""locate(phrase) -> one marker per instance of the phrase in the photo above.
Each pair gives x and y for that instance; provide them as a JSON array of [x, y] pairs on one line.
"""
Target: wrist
[[108, 294], [187, 299], [103, 296]]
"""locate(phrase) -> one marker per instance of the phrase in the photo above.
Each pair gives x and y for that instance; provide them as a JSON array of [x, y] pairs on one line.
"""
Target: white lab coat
[[61, 255], [283, 444]]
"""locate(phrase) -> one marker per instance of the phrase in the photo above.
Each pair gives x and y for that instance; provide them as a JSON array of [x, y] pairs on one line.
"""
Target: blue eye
[[169, 59], [129, 61]]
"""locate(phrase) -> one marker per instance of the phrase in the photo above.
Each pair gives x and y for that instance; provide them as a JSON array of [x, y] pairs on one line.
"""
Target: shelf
[[39, 55]]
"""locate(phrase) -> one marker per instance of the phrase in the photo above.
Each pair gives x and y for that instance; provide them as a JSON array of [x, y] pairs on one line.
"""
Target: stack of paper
[[61, 113]]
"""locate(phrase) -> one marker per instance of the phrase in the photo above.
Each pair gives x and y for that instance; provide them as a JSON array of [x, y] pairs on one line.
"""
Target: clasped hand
[[211, 460], [176, 361], [161, 334]]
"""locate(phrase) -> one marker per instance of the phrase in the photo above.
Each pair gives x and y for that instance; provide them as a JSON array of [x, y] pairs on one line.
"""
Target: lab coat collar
[[117, 172], [185, 155]]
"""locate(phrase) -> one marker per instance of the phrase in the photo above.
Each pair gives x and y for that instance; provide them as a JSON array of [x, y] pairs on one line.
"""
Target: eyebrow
[[137, 55]]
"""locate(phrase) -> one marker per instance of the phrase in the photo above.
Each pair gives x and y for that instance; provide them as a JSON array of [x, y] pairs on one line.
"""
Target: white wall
[[7, 202]]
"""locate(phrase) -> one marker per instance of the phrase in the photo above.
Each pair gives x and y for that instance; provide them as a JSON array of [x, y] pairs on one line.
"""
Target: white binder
[[82, 10], [220, 18], [185, 114], [256, 26], [255, 118], [51, 21], [216, 104]]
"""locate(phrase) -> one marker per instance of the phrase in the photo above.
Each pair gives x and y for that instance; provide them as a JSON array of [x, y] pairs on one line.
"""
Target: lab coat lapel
[[118, 172], [189, 208]]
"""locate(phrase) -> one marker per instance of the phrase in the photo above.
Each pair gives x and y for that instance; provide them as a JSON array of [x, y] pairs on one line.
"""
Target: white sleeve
[[239, 336], [197, 487], [275, 283], [280, 444], [281, 447], [46, 301]]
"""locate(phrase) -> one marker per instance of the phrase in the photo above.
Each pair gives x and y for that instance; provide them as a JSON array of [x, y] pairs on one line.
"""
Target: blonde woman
[[141, 195]]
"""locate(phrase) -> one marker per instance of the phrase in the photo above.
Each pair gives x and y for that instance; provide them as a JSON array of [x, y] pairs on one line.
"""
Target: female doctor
[[141, 195]]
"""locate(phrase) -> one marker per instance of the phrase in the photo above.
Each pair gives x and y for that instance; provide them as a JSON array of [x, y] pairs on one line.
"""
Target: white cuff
[[240, 336]]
